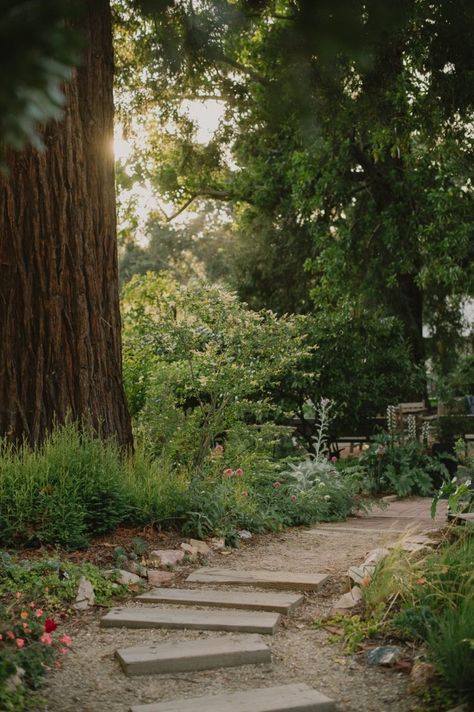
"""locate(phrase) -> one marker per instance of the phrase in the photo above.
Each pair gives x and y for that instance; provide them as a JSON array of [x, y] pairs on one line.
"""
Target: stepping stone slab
[[286, 580], [238, 621], [190, 656], [284, 698], [280, 602]]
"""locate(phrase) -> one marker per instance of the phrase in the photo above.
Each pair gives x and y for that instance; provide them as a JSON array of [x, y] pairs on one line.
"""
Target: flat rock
[[285, 580], [384, 655], [151, 617], [122, 576], [421, 676], [359, 573], [217, 543], [158, 578], [166, 557], [348, 600], [412, 547], [85, 595], [280, 602], [375, 556], [201, 546], [190, 551], [284, 698], [193, 655]]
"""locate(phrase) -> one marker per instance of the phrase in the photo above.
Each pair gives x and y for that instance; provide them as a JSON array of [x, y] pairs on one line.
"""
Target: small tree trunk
[[60, 350]]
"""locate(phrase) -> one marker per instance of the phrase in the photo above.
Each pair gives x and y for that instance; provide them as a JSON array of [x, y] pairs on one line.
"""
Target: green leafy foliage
[[62, 493], [431, 599], [34, 599], [197, 363], [402, 468], [39, 48], [351, 148]]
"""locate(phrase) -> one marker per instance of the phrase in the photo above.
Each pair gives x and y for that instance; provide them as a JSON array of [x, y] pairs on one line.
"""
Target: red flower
[[49, 625]]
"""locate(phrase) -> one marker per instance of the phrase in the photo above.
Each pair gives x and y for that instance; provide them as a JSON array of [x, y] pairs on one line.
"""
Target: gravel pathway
[[91, 680]]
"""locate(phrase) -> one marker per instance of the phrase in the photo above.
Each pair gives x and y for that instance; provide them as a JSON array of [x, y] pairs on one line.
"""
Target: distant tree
[[349, 128]]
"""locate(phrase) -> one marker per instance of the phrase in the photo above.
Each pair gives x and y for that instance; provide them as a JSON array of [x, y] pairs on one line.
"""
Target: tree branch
[[252, 73], [207, 193]]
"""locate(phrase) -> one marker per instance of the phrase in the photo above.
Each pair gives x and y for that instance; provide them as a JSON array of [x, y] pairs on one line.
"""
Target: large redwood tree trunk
[[60, 350]]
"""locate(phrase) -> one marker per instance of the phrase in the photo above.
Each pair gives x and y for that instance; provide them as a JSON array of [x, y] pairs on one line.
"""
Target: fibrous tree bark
[[60, 350]]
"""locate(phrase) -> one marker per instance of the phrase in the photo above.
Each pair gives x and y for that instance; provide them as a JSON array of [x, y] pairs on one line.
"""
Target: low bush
[[432, 600], [63, 492]]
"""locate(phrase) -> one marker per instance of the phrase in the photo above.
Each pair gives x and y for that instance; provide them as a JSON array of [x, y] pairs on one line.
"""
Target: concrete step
[[284, 698], [280, 602], [151, 617], [286, 580], [193, 655]]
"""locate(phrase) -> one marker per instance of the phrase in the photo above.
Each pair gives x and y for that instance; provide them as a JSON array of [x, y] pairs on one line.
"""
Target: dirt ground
[[91, 680]]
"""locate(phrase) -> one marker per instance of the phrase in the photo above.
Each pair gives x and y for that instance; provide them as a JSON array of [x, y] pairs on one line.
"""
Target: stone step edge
[[193, 655], [284, 698], [179, 618], [277, 601], [263, 578]]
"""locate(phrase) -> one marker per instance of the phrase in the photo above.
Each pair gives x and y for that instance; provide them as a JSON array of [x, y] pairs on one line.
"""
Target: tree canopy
[[345, 146]]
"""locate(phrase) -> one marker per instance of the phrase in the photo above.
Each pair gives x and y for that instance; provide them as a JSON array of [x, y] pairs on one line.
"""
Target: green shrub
[[198, 364], [63, 492], [402, 468], [432, 600], [360, 359]]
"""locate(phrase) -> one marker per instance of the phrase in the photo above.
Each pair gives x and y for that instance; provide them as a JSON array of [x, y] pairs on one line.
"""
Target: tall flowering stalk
[[323, 419]]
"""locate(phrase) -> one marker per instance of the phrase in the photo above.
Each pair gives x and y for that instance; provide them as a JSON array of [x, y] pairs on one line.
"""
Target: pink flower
[[228, 472], [294, 498], [19, 642], [46, 639], [17, 594], [218, 450], [277, 485], [333, 459], [10, 635], [1, 636], [38, 612], [244, 493], [239, 472], [63, 651], [66, 640]]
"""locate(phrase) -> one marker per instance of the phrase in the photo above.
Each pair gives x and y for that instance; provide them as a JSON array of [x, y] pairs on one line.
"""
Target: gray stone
[[285, 580], [85, 595], [151, 617], [280, 602], [359, 573], [284, 698], [376, 556], [348, 600], [412, 547], [166, 557], [244, 534], [384, 655], [193, 655]]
